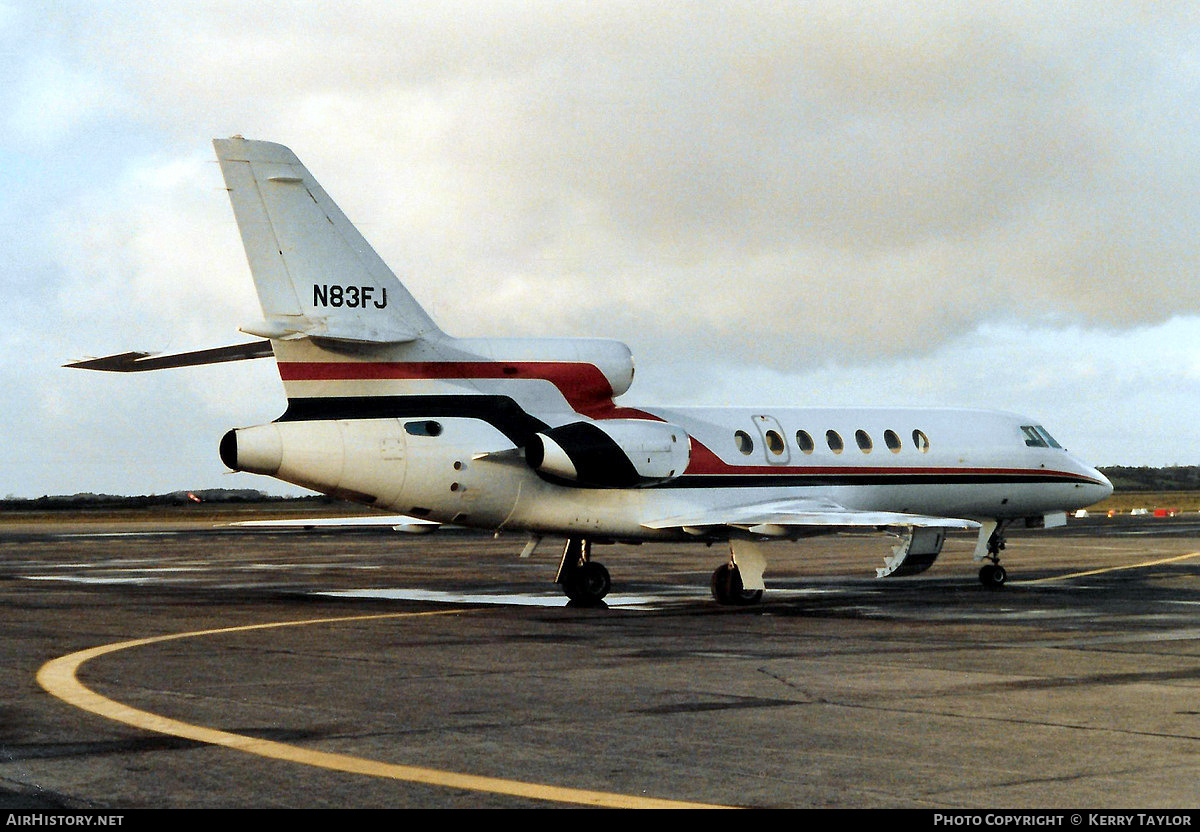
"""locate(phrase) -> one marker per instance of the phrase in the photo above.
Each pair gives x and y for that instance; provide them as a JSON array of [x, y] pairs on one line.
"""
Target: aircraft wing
[[399, 522], [796, 517]]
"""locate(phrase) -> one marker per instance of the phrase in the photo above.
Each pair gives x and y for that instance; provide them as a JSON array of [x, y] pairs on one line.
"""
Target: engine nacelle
[[615, 453], [257, 450], [359, 460]]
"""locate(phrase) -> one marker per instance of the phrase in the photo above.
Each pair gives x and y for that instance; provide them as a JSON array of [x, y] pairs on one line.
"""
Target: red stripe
[[583, 385], [589, 393]]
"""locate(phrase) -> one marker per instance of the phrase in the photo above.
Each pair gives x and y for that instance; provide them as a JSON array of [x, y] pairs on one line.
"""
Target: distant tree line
[[218, 496], [1174, 478]]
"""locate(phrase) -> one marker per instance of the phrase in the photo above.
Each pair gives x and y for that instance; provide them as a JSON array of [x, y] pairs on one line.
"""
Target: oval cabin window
[[744, 443], [834, 441], [804, 441], [775, 443]]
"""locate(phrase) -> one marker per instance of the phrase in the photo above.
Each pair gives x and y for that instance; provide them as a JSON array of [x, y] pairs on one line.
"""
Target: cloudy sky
[[989, 204]]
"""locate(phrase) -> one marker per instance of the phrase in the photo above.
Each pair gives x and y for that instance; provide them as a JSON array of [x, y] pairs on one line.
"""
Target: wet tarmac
[[366, 668]]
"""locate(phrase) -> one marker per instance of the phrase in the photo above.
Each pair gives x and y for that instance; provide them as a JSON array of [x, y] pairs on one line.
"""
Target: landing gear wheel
[[727, 588], [587, 583], [583, 580], [993, 576]]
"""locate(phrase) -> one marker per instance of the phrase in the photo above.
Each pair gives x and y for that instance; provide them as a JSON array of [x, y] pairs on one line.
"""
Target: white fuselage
[[949, 463]]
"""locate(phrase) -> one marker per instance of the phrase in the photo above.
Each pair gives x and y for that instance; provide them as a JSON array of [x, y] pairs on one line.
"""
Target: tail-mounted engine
[[614, 453]]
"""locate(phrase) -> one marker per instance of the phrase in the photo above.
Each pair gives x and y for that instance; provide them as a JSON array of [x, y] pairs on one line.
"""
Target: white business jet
[[524, 434]]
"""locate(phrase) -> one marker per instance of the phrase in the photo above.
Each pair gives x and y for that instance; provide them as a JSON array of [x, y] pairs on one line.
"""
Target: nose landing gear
[[993, 575]]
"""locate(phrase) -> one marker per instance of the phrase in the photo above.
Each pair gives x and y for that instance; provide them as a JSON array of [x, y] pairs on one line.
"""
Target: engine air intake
[[617, 453]]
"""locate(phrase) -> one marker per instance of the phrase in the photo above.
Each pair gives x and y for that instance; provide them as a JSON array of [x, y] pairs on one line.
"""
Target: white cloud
[[873, 188], [46, 100], [153, 257]]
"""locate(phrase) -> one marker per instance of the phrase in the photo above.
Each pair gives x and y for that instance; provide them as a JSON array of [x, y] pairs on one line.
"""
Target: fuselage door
[[774, 440]]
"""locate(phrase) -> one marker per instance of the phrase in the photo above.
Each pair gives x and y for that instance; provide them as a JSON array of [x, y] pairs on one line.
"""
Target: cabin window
[[804, 441], [425, 428], [863, 439], [744, 443], [775, 443], [834, 440], [892, 441], [921, 441]]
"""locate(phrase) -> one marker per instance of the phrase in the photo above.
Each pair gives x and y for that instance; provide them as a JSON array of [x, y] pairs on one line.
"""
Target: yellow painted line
[[58, 678], [1141, 565]]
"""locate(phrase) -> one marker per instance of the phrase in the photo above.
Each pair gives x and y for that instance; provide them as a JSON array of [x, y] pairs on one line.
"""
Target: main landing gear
[[739, 582], [584, 581], [727, 587], [993, 575]]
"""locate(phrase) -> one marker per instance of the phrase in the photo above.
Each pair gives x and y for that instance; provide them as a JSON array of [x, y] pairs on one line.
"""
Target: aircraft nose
[[1100, 489]]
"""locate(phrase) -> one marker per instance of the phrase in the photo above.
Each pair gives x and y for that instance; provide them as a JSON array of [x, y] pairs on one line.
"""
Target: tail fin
[[351, 342], [316, 276]]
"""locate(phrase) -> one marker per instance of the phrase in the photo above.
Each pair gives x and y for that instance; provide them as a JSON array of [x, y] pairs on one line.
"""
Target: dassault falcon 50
[[525, 434]]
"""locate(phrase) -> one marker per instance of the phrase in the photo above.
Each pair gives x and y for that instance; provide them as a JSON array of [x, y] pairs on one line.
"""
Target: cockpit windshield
[[1037, 436]]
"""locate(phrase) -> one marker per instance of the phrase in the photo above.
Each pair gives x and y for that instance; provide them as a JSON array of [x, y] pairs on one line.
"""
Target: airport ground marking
[[1141, 565], [58, 677]]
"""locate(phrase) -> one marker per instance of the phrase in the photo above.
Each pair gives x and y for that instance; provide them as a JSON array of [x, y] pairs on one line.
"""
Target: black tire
[[727, 588], [588, 583], [993, 576]]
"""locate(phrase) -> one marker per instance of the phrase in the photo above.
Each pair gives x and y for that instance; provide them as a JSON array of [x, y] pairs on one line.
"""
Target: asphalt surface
[[394, 671]]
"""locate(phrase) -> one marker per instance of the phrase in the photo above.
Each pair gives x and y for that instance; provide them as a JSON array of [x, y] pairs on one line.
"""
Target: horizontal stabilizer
[[347, 331], [137, 362]]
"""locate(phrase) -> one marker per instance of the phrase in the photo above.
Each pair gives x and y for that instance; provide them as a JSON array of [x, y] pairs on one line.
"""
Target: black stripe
[[501, 412]]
